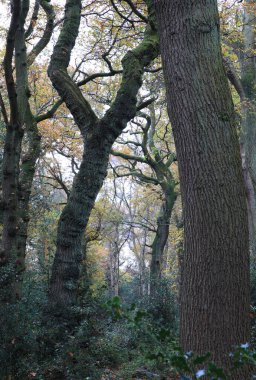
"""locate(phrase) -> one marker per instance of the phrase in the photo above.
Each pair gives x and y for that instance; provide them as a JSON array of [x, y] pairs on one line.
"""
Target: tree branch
[[234, 78], [145, 104], [16, 9], [123, 109], [49, 113], [120, 14], [135, 10], [33, 19], [48, 8], [67, 89], [3, 110], [134, 173], [98, 75], [128, 156]]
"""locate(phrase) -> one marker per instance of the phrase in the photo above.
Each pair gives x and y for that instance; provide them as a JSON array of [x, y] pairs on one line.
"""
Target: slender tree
[[160, 164], [244, 83], [215, 275], [10, 164], [248, 80], [22, 140]]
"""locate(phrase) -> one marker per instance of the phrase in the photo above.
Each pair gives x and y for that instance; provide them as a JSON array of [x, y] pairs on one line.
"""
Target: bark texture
[[215, 274]]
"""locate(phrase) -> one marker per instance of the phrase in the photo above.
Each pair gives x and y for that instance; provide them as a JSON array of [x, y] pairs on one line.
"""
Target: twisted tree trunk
[[98, 136]]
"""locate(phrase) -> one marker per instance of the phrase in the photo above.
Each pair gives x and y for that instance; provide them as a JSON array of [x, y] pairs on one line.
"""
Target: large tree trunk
[[215, 274], [73, 221]]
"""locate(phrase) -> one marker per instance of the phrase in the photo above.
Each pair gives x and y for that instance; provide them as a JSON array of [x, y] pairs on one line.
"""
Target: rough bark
[[215, 274], [98, 136]]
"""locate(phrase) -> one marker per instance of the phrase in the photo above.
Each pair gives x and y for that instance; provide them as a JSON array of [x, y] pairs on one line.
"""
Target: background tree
[[238, 24], [22, 141], [154, 153]]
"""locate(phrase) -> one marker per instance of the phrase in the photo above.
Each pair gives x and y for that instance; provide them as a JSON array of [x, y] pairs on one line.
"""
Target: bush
[[21, 325]]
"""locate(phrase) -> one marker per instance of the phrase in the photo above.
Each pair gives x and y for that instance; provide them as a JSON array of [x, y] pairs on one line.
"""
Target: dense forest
[[128, 189]]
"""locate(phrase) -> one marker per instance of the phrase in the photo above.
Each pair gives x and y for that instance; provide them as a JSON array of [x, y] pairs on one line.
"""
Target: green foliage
[[148, 340], [156, 347], [20, 327], [92, 346], [162, 305]]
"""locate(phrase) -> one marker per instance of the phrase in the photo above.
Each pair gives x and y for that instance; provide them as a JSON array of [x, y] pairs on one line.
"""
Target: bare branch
[[49, 113], [136, 11], [16, 10], [33, 19], [128, 156], [145, 104]]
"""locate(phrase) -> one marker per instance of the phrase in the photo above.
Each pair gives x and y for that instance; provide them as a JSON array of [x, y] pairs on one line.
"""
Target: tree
[[98, 136], [215, 275], [156, 154], [238, 30], [22, 140]]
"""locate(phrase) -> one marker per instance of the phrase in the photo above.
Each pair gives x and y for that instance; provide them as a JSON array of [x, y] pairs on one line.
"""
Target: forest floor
[[139, 374]]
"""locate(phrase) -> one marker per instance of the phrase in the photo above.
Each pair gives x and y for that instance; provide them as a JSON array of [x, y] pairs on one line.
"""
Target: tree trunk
[[20, 151], [161, 236], [248, 134], [30, 151], [72, 223], [215, 274], [114, 263], [142, 265], [98, 136], [10, 168]]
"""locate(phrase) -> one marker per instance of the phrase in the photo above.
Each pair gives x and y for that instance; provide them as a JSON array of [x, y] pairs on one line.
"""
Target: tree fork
[[98, 136]]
